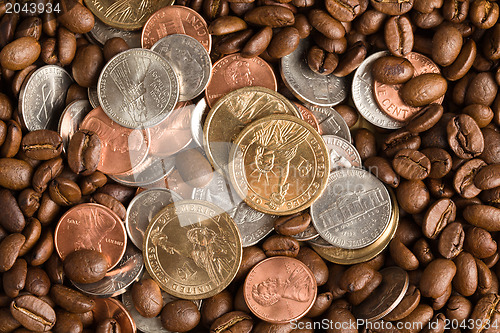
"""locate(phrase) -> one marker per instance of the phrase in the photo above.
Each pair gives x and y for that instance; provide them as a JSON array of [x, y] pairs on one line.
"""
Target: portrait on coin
[[237, 74]]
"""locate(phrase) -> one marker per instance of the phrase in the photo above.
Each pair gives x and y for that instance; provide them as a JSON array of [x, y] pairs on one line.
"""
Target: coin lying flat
[[342, 153], [106, 308], [190, 61], [192, 249], [149, 171], [354, 210], [137, 88], [307, 235], [71, 118], [279, 165], [102, 32], [42, 97], [308, 86], [330, 121], [308, 116]]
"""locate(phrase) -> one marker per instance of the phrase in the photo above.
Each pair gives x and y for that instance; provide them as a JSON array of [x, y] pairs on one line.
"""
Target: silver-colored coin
[[362, 95], [219, 192], [143, 208], [308, 234], [323, 90], [330, 121], [102, 32], [190, 61], [151, 170], [93, 97], [71, 118], [197, 114], [319, 241], [138, 88], [42, 97], [342, 153], [116, 281], [354, 210]]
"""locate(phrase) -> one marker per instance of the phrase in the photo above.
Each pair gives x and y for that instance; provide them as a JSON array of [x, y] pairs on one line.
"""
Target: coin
[[143, 208], [122, 148], [151, 170], [308, 116], [387, 95], [190, 61], [175, 20], [362, 95], [279, 165], [386, 296], [71, 118], [308, 86], [42, 97], [91, 226], [330, 121], [233, 72], [93, 98], [192, 249], [106, 308], [116, 281], [219, 192], [125, 14], [342, 153], [280, 289], [308, 234], [102, 32], [196, 121], [232, 113], [354, 210]]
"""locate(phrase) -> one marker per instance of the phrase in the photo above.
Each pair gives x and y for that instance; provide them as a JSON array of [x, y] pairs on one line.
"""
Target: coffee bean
[[12, 218], [15, 174], [15, 278], [485, 310], [399, 140], [85, 266], [423, 89], [465, 137], [20, 53], [258, 43], [411, 164], [321, 304], [392, 8], [216, 8], [37, 281], [351, 59], [382, 169], [110, 202], [482, 89], [463, 181], [48, 210], [84, 152], [402, 256], [113, 46], [54, 269], [479, 243], [465, 281], [29, 201], [75, 17], [463, 62], [64, 192], [271, 16], [278, 245], [12, 140], [42, 144], [120, 192], [326, 24], [147, 299], [292, 224], [413, 196], [109, 325], [315, 263], [226, 24], [194, 168], [321, 62], [71, 300], [349, 114], [392, 70], [9, 250], [67, 322], [32, 232], [447, 44], [234, 42], [437, 217], [356, 277], [335, 274], [398, 35], [365, 142], [491, 197], [437, 276], [337, 46], [216, 306], [408, 232], [180, 316], [91, 183], [87, 65], [250, 257], [43, 248], [302, 25], [284, 42], [46, 172], [488, 177], [357, 297], [236, 321], [33, 313], [484, 278], [342, 317], [451, 240], [483, 13], [481, 114]]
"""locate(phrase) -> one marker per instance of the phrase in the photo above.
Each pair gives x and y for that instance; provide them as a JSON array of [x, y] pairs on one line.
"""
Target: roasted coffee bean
[[278, 245], [236, 321], [321, 62], [15, 174], [343, 10], [54, 269], [147, 299], [483, 13], [411, 164], [326, 24], [216, 8], [46, 172], [458, 308], [33, 313], [315, 263], [48, 210], [71, 300], [482, 89], [20, 53], [365, 142], [408, 232], [194, 168], [398, 35], [447, 44], [250, 257], [349, 114], [356, 277], [180, 316], [67, 322], [284, 42], [392, 70], [29, 201], [479, 243], [436, 278], [392, 8], [12, 218], [383, 170], [485, 310], [465, 281], [406, 306], [399, 140], [42, 144], [87, 65], [110, 202], [484, 278], [488, 177], [427, 20], [37, 281], [258, 43], [370, 22], [271, 16], [342, 317], [437, 217], [292, 224], [337, 46], [75, 17], [85, 266], [15, 278], [321, 304], [91, 183], [351, 59], [12, 140], [481, 114], [440, 188], [113, 46], [32, 232], [216, 306], [64, 192], [441, 162], [423, 89], [463, 62], [491, 197], [335, 274], [451, 240], [234, 42], [465, 137], [43, 248], [463, 181], [84, 152], [413, 196], [9, 250], [402, 256], [109, 325], [226, 24]]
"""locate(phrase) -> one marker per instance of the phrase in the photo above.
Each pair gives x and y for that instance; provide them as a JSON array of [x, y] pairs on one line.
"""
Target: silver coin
[[43, 96], [330, 121], [197, 121], [308, 234], [362, 95], [93, 98], [71, 118], [116, 281], [151, 170], [342, 153], [138, 88], [323, 90], [354, 210], [143, 208], [319, 241], [102, 32], [190, 61], [219, 192]]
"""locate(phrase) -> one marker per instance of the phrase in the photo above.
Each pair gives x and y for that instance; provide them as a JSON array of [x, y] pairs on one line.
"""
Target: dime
[[232, 113], [151, 170], [190, 61], [307, 235], [192, 249], [91, 226], [122, 148], [279, 165], [143, 208], [71, 118], [233, 72], [308, 86], [354, 211], [93, 98], [197, 121], [280, 289], [308, 116], [342, 153], [42, 97], [387, 95], [106, 308], [138, 88], [386, 296], [125, 14], [175, 20], [102, 32], [362, 95], [330, 121], [118, 279]]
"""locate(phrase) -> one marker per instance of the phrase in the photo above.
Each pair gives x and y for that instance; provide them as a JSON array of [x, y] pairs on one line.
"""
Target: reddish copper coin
[[308, 116], [91, 226], [234, 72], [174, 182], [387, 96], [280, 289], [122, 148], [106, 308], [175, 20]]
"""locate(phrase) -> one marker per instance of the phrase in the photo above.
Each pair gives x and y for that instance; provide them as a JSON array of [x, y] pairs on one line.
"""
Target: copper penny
[[122, 148], [91, 226], [280, 289], [233, 72], [387, 95], [175, 20], [308, 116], [111, 308]]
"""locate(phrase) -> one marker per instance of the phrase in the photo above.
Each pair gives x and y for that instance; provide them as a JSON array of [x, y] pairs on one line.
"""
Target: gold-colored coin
[[192, 249], [125, 14], [350, 257], [279, 165], [233, 112]]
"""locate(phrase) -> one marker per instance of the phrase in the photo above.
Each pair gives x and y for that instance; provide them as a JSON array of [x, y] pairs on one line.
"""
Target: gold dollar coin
[[279, 165], [125, 14], [192, 249]]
